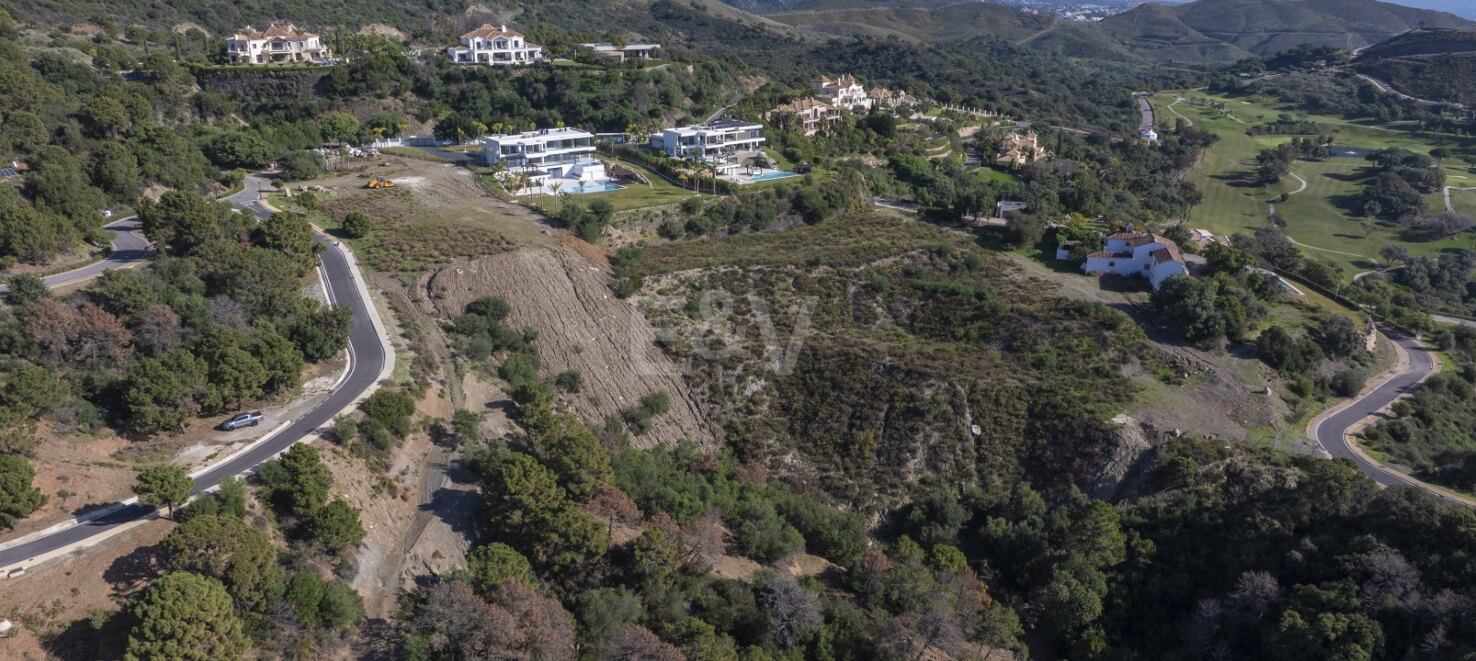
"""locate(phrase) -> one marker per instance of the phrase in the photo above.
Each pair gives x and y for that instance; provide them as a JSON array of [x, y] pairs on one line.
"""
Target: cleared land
[[1317, 217]]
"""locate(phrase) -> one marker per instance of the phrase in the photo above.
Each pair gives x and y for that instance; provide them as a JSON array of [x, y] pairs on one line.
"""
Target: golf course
[[1317, 199]]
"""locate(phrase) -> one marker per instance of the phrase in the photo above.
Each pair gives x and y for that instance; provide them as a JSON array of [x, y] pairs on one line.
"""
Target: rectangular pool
[[776, 174], [595, 188]]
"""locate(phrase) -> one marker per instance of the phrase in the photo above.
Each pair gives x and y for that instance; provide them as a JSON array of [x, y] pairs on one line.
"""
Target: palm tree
[[682, 176], [554, 188]]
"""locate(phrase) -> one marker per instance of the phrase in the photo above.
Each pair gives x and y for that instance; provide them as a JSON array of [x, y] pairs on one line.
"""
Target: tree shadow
[[1240, 179], [134, 571], [89, 639], [1352, 177], [455, 506]]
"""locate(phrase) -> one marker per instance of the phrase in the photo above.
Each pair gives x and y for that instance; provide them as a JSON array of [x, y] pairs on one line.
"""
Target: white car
[[240, 420]]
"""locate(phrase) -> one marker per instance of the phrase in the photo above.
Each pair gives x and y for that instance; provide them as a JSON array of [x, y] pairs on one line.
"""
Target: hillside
[[1439, 65], [1219, 31], [928, 23], [1149, 33], [776, 6], [673, 21]]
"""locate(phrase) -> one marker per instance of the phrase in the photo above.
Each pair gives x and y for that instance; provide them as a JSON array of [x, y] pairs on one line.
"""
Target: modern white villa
[[622, 52], [276, 44], [721, 143], [549, 159], [1142, 254], [844, 92], [495, 44]]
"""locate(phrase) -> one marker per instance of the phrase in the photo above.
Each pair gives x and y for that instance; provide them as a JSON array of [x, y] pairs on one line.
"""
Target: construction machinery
[[379, 182]]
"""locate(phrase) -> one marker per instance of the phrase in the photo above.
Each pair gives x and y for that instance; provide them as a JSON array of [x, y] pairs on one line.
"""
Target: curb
[[375, 319]]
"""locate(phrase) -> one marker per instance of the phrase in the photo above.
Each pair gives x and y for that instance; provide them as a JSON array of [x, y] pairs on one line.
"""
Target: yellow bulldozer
[[379, 182]]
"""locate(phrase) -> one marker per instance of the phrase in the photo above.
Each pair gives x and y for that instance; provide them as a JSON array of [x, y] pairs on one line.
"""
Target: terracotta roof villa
[[276, 44], [1141, 254], [495, 45]]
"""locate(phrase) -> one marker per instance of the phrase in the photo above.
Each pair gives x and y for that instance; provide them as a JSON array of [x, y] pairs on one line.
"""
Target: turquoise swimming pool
[[595, 188], [776, 174]]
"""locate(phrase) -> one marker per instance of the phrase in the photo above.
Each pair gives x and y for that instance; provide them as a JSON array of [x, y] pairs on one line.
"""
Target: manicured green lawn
[[989, 173], [633, 196], [1464, 201], [1319, 216]]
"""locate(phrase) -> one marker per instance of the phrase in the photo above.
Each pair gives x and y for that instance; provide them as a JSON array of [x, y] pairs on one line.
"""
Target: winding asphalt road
[[367, 359], [129, 248], [1332, 432]]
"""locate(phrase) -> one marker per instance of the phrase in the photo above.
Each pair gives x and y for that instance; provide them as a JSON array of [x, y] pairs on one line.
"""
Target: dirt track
[[581, 326]]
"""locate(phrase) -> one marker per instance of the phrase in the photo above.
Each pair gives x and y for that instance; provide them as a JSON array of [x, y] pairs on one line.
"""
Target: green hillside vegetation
[[1150, 32], [1223, 31], [921, 23], [1439, 65]]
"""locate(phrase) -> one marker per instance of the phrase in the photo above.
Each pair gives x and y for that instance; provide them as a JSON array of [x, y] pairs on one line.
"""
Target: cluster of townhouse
[[278, 44], [831, 99], [1020, 149]]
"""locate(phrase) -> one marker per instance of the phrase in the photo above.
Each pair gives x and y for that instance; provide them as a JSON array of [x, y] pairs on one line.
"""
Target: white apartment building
[[844, 92], [561, 153], [714, 142], [491, 44], [276, 44]]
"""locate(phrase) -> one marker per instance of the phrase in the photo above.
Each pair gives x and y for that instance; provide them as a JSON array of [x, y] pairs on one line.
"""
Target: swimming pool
[[595, 188], [775, 174]]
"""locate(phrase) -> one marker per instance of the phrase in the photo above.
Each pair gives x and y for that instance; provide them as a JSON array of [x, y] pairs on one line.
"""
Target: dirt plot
[[79, 474], [437, 213], [581, 326], [51, 597]]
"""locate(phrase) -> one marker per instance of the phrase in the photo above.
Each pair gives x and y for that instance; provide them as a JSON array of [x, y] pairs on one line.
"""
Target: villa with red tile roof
[[276, 44], [810, 114], [1138, 253], [495, 44]]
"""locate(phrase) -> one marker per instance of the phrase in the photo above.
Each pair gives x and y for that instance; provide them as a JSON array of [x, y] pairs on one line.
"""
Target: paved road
[[1145, 110], [1332, 432], [367, 359], [129, 248]]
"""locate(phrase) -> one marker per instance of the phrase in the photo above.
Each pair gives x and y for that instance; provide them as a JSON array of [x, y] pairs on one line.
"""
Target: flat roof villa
[[495, 44], [276, 44], [635, 50], [549, 160], [720, 142]]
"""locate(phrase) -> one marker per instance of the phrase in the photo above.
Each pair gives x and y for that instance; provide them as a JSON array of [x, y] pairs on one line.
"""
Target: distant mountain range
[[1220, 31]]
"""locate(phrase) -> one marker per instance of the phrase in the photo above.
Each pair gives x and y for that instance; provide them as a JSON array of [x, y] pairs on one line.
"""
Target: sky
[[1465, 8]]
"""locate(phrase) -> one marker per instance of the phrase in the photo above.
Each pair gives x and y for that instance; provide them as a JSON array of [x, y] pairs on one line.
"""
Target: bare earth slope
[[581, 326]]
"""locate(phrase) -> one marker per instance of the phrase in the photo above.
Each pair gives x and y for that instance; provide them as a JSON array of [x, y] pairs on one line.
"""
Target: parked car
[[240, 420]]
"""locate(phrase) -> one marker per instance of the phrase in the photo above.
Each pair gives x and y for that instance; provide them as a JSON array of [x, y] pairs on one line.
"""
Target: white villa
[[1138, 253], [720, 142], [637, 50], [495, 45], [547, 156], [276, 44], [844, 92]]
